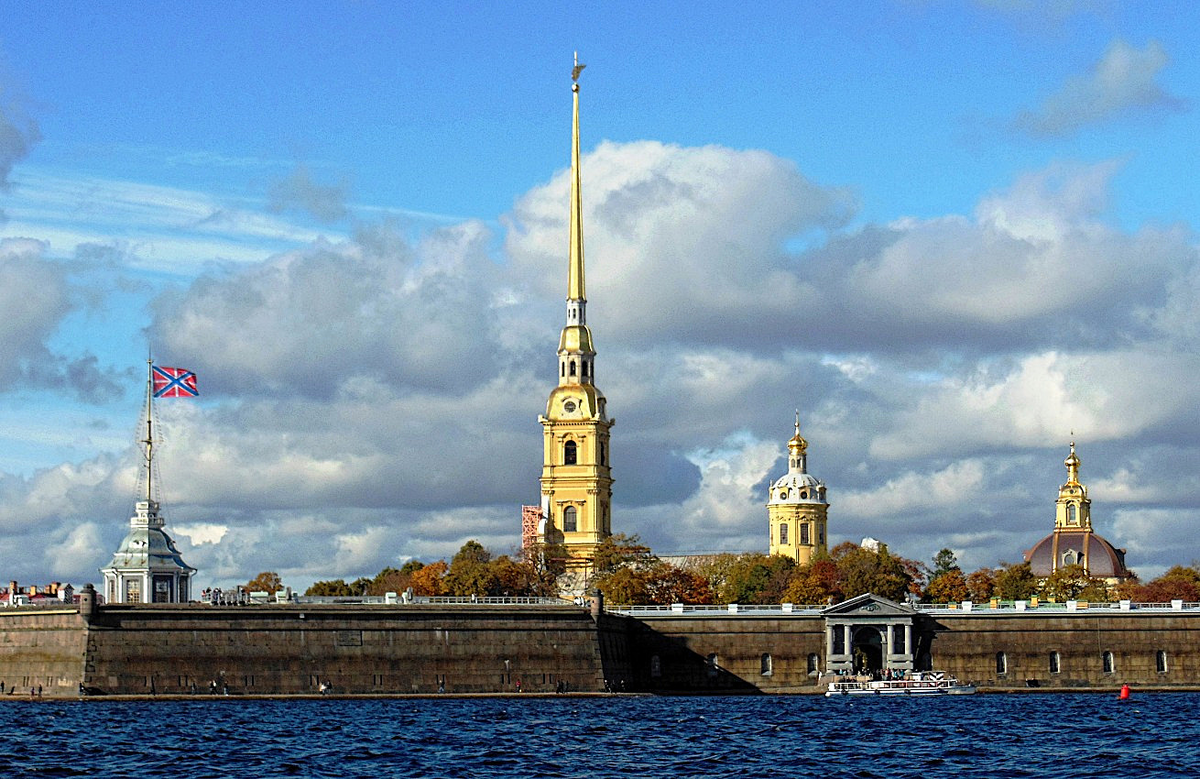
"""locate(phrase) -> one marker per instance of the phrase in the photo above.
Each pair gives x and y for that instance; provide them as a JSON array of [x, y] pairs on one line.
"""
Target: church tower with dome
[[1073, 541], [797, 509], [576, 482]]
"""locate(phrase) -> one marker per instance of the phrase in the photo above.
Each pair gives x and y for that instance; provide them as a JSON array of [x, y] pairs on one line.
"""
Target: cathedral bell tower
[[576, 478], [797, 511]]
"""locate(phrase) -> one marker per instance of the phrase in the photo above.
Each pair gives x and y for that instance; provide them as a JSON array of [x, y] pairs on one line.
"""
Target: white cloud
[[1122, 82]]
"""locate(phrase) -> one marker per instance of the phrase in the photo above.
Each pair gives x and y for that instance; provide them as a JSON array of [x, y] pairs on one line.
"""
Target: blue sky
[[950, 233]]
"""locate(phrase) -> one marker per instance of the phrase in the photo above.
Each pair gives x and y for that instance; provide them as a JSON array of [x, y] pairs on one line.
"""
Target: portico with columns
[[869, 633]]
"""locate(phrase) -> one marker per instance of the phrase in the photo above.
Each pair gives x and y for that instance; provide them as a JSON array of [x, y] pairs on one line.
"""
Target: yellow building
[[576, 478], [797, 510], [1073, 541]]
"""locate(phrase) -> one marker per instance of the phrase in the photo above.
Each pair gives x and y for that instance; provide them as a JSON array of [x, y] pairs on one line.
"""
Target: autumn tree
[[981, 584], [267, 581], [1178, 583], [469, 572], [814, 584], [949, 587], [429, 580]]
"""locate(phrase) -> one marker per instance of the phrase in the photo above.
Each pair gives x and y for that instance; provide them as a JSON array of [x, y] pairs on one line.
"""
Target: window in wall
[[133, 591], [1070, 557], [655, 666], [766, 666], [783, 530], [1001, 663], [603, 453], [805, 533], [1054, 663], [572, 367], [1072, 519], [570, 519], [898, 640], [821, 534], [569, 453], [1160, 661], [1109, 662], [713, 664], [839, 640], [814, 662]]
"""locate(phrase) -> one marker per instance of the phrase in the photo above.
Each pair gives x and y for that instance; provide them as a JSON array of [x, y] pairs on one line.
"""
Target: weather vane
[[575, 71]]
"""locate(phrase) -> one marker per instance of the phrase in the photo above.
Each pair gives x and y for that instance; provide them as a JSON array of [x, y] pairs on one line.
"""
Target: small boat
[[915, 683]]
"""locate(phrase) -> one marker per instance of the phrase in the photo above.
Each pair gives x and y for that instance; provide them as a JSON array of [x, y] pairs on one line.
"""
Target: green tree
[[669, 584], [944, 562], [619, 551], [862, 570], [756, 578], [1015, 581], [330, 589], [624, 586], [1071, 582], [470, 572], [267, 581]]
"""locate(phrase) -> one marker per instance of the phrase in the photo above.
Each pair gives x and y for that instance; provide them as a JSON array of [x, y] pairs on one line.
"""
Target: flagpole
[[149, 441]]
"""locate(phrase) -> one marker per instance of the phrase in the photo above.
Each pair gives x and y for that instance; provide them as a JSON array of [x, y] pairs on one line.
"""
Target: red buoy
[[1124, 692]]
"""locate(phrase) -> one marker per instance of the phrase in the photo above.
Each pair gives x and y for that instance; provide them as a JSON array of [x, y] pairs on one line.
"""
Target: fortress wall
[[291, 649], [964, 645], [671, 653], [967, 645], [44, 647]]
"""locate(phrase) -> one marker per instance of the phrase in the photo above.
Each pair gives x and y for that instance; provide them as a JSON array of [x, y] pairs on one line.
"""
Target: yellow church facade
[[576, 481]]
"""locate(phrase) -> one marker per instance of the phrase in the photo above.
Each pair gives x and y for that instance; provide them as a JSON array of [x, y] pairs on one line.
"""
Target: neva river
[[1025, 735]]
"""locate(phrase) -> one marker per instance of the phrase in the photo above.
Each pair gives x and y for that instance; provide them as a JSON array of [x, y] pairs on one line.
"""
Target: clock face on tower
[[569, 406]]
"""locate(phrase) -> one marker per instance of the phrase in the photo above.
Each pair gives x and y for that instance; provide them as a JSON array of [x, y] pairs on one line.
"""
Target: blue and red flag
[[174, 383]]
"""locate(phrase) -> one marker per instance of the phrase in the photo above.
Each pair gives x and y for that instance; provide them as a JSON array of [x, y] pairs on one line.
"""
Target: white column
[[908, 647], [887, 657]]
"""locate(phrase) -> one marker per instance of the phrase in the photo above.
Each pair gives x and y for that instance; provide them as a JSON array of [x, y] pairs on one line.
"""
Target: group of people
[[218, 597], [34, 692]]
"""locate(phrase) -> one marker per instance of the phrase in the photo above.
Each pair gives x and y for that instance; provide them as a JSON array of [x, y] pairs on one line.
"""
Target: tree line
[[627, 571]]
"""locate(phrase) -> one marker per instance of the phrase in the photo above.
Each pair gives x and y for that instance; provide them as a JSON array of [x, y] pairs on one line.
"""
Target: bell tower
[[576, 478], [797, 510]]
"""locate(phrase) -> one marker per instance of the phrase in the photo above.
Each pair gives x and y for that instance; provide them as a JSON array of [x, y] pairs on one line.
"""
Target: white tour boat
[[915, 683]]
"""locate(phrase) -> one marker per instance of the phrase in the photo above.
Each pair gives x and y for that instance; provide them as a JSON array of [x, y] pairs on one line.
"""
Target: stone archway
[[867, 649]]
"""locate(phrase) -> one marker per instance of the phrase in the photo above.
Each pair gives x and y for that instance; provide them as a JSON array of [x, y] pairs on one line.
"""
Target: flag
[[174, 383]]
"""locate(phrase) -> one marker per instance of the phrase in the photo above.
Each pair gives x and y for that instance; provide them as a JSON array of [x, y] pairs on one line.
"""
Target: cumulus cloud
[[1121, 83], [298, 191], [373, 399], [18, 134]]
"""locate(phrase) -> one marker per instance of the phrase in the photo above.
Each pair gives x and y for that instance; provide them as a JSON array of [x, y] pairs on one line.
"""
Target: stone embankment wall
[[293, 649], [43, 647], [1015, 651], [751, 653]]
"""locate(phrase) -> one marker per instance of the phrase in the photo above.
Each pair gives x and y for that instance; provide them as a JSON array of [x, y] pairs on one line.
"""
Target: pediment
[[869, 605]]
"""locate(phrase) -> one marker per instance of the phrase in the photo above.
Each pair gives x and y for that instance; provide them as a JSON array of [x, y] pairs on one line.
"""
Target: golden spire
[[575, 287], [798, 445]]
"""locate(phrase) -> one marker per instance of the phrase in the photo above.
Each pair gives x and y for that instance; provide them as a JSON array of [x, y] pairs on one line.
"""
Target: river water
[[1025, 735]]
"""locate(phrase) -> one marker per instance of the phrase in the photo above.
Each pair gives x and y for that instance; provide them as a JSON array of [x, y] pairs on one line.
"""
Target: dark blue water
[[1040, 735]]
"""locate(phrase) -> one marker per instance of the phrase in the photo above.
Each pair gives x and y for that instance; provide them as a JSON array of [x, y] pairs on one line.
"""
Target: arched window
[[570, 520], [603, 453], [1071, 518], [562, 369], [1001, 663], [783, 533], [1160, 661], [583, 367], [766, 665], [1109, 663], [572, 367], [569, 453], [1055, 666]]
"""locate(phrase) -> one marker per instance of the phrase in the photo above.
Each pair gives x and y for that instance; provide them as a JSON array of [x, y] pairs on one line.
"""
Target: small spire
[[1072, 463]]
